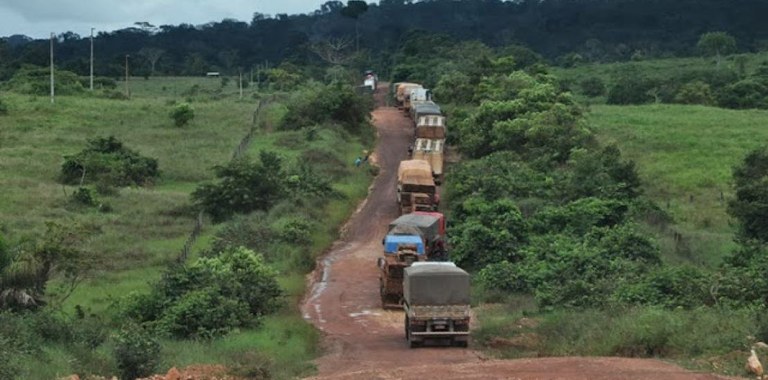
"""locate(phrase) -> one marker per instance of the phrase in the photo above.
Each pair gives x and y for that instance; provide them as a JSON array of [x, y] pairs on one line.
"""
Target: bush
[[3, 108], [108, 160], [696, 92], [631, 88], [750, 206], [136, 351], [209, 297], [182, 114], [747, 93], [36, 81], [485, 232], [84, 196], [335, 103], [243, 186], [592, 86], [669, 287]]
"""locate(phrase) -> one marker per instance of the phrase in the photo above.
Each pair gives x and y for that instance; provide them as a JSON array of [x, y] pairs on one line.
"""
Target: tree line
[[596, 30]]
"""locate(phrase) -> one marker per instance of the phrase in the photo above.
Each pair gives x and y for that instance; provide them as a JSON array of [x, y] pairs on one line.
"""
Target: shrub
[[747, 93], [209, 297], [696, 92], [36, 81], [669, 287], [243, 186], [592, 86], [485, 232], [3, 108], [84, 196], [136, 351], [631, 88], [335, 103], [750, 206], [108, 160], [182, 114]]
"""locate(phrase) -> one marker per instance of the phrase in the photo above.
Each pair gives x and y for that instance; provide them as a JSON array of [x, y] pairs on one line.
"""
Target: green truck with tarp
[[436, 301]]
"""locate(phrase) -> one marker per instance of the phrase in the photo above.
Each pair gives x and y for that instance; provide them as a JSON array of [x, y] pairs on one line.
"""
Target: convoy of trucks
[[414, 272]]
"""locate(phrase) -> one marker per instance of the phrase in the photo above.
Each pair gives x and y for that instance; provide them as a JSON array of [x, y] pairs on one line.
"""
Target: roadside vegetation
[[596, 229], [102, 191]]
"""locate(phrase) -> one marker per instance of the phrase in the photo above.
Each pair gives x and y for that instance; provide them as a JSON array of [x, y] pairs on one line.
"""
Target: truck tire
[[407, 331]]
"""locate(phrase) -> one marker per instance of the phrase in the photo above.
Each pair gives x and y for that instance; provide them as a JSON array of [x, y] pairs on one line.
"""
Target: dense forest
[[589, 30]]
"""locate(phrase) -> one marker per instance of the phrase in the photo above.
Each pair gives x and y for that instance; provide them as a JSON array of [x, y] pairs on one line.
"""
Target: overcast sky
[[38, 18]]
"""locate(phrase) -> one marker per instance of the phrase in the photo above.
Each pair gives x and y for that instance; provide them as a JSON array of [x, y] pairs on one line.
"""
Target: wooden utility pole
[[127, 91], [91, 59], [52, 73]]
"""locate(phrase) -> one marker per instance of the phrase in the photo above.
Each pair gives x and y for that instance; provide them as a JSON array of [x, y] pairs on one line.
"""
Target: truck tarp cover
[[427, 225], [436, 284], [392, 242], [415, 171], [426, 108]]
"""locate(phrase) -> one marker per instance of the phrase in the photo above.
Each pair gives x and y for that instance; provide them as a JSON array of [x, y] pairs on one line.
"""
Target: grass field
[[685, 155], [148, 226]]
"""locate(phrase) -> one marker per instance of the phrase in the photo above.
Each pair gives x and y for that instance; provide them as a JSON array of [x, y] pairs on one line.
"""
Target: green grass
[[708, 338], [148, 226], [685, 155]]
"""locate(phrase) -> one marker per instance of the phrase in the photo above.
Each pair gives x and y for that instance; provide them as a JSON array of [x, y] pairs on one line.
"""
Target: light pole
[[127, 92], [91, 59], [52, 72]]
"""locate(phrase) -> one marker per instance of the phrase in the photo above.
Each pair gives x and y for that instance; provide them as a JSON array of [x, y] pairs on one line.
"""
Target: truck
[[424, 109], [400, 251], [370, 81], [430, 150], [416, 96], [429, 226], [416, 190], [436, 302], [430, 127], [403, 92]]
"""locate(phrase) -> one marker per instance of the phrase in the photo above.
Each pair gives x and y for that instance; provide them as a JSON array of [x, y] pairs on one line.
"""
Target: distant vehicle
[[370, 81], [403, 91], [436, 303]]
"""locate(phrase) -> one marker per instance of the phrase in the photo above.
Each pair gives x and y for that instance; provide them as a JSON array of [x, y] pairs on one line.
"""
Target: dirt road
[[362, 341]]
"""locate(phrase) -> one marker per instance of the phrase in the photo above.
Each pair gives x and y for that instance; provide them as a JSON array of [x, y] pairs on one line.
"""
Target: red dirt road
[[362, 341]]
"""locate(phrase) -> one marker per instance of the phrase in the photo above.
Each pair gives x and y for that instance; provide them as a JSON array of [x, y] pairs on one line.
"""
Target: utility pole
[[241, 84], [91, 59], [52, 73], [127, 92]]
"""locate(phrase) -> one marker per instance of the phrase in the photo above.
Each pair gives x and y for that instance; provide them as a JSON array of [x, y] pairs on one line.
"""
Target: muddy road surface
[[362, 341]]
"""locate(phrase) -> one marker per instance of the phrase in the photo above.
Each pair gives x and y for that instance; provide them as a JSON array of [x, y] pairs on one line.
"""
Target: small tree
[[182, 114], [716, 43], [136, 351], [696, 92], [750, 207]]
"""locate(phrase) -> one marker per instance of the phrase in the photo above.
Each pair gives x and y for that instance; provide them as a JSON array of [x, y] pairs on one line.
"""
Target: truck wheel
[[407, 332]]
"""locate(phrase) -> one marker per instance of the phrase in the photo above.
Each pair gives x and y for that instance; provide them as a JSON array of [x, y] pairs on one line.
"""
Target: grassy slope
[[684, 155], [144, 231]]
